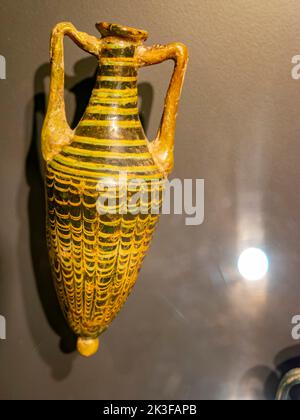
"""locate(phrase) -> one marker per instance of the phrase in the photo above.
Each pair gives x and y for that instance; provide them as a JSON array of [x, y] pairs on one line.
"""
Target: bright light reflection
[[253, 264]]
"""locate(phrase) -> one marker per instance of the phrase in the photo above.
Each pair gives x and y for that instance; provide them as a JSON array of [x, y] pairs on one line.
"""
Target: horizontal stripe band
[[73, 163], [113, 97], [117, 62], [116, 86], [99, 116], [114, 70], [99, 99], [123, 59], [108, 154], [121, 45], [111, 110], [103, 123], [117, 78], [82, 173], [118, 92], [109, 142]]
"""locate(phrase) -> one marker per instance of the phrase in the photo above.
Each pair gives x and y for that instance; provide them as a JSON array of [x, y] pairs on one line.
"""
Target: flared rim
[[114, 29]]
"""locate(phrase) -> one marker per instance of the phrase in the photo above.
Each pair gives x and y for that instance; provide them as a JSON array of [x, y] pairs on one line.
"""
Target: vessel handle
[[291, 379], [162, 147], [56, 131]]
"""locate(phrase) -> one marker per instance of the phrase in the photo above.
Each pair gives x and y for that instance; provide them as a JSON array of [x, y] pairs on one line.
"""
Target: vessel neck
[[117, 74]]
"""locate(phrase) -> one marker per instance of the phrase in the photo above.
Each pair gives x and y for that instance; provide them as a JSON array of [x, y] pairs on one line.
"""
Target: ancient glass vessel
[[97, 235]]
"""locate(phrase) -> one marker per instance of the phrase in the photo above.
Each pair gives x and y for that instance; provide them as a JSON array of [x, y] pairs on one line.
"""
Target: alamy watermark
[[2, 328], [123, 195], [296, 328], [2, 67], [296, 67]]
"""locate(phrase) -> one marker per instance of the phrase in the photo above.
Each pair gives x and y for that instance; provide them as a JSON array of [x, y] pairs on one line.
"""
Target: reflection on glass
[[253, 264]]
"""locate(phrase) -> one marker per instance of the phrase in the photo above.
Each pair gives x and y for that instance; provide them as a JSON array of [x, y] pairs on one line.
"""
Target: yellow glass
[[97, 245]]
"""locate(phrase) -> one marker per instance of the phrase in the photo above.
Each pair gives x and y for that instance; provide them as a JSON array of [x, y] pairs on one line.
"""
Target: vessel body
[[96, 256]]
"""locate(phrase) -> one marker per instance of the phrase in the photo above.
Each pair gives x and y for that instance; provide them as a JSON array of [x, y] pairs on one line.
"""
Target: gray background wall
[[193, 328]]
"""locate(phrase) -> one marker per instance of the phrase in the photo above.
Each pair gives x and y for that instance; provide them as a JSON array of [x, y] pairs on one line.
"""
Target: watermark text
[[2, 328], [296, 328], [123, 195], [2, 68]]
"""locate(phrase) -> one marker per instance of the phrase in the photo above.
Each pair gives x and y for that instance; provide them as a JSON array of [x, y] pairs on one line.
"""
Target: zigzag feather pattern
[[95, 257]]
